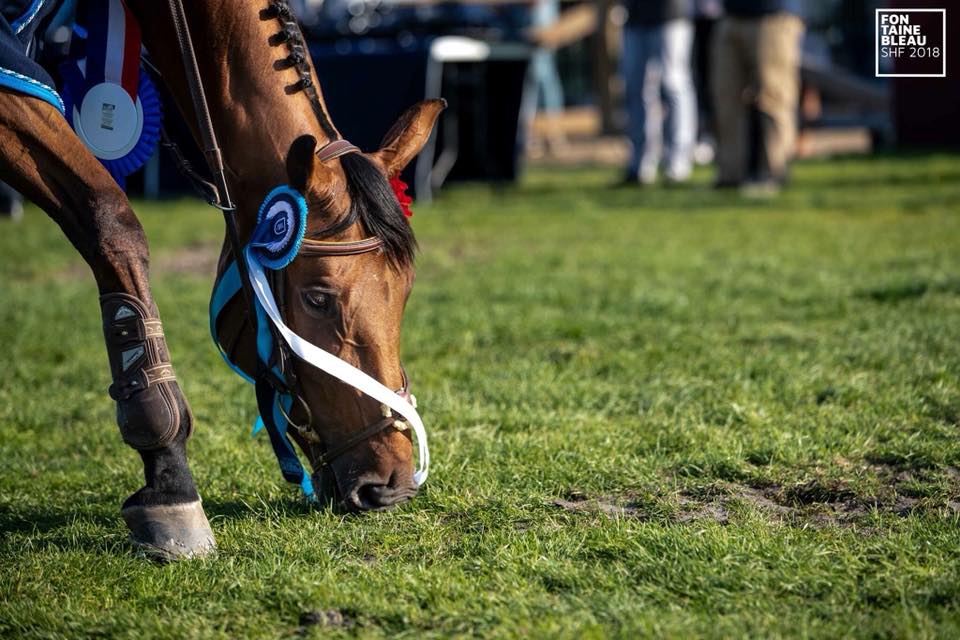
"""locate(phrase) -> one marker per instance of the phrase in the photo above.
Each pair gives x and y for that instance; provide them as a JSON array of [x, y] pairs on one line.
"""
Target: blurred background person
[[543, 69], [706, 15], [660, 96], [11, 202], [756, 82]]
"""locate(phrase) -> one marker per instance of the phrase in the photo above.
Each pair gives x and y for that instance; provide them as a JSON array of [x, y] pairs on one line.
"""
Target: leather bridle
[[290, 386], [217, 194]]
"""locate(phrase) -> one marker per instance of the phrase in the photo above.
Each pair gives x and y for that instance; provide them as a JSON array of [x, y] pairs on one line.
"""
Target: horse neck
[[254, 116]]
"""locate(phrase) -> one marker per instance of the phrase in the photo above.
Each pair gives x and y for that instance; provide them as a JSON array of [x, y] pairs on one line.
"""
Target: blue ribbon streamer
[[228, 287]]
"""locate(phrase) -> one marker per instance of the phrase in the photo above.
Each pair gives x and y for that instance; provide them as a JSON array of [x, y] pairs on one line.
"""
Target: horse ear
[[408, 135], [302, 162]]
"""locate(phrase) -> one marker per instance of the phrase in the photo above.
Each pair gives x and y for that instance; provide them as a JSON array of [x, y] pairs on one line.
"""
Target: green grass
[[662, 413]]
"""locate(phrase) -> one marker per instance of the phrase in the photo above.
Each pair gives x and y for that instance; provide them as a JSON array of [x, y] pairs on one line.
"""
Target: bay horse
[[270, 117]]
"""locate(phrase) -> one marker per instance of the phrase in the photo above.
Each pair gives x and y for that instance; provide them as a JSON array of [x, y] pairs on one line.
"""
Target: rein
[[276, 241]]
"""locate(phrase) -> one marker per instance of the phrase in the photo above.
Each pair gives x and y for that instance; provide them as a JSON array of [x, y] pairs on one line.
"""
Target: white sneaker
[[679, 174], [647, 175]]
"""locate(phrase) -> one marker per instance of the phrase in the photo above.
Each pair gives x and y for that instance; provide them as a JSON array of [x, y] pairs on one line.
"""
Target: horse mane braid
[[291, 34], [373, 201]]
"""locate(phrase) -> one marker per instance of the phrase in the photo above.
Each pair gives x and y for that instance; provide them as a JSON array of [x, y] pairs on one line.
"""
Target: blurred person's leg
[[11, 202], [546, 98], [642, 74], [549, 86], [543, 66], [778, 67], [680, 98], [728, 82], [704, 28]]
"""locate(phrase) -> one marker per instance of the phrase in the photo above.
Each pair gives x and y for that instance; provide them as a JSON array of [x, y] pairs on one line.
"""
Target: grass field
[[665, 413]]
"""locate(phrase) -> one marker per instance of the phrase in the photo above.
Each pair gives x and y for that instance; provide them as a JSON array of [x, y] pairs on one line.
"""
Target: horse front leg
[[43, 159]]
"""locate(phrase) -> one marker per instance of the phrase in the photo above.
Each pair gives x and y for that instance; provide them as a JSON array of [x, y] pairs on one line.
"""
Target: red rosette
[[400, 190]]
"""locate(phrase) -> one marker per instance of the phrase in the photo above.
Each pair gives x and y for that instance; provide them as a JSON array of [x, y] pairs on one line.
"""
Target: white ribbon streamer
[[343, 371]]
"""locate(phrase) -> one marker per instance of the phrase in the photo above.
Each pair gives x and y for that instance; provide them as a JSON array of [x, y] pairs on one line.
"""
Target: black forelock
[[375, 204]]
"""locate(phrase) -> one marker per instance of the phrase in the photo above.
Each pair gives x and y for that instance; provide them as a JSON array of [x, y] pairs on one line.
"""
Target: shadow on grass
[[259, 509], [98, 527], [90, 528], [105, 513], [243, 510], [889, 169], [14, 521], [895, 292], [844, 173]]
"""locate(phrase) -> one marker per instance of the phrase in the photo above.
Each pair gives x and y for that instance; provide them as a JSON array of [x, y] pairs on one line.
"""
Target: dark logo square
[[911, 43]]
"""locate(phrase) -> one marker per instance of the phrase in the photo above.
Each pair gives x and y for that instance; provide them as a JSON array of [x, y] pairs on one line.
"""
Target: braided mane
[[292, 36], [373, 201]]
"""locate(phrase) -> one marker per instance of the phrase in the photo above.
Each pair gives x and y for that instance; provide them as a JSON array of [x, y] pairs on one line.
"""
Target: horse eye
[[318, 300]]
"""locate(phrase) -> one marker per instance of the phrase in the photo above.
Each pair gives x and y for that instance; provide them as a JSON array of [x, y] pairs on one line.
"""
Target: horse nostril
[[377, 497]]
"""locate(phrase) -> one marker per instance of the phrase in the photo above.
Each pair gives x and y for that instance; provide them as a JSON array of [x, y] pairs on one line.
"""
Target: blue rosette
[[281, 225]]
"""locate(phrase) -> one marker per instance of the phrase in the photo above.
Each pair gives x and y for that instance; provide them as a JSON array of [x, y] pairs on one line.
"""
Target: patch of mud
[[330, 618], [579, 502], [819, 503], [692, 510], [716, 502], [522, 525], [814, 503], [818, 492], [760, 498]]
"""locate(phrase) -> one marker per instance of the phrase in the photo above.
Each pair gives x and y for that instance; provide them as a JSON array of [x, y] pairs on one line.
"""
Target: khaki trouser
[[756, 63]]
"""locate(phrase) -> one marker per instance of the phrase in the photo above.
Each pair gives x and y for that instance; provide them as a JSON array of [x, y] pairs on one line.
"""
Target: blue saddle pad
[[19, 27]]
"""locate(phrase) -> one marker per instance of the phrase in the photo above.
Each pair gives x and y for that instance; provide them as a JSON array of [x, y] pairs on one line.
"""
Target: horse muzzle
[[370, 491]]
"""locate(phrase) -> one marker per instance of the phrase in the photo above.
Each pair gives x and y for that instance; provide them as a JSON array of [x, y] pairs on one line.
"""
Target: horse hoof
[[170, 532]]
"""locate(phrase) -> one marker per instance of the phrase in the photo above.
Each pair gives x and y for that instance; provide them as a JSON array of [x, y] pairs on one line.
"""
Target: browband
[[309, 247], [335, 149]]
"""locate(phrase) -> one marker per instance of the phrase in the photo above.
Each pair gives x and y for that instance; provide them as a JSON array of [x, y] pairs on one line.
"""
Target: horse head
[[345, 292]]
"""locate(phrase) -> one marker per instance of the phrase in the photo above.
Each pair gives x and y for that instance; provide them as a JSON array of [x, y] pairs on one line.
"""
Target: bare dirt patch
[[332, 618], [817, 492], [692, 510], [760, 498], [818, 502], [579, 502]]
